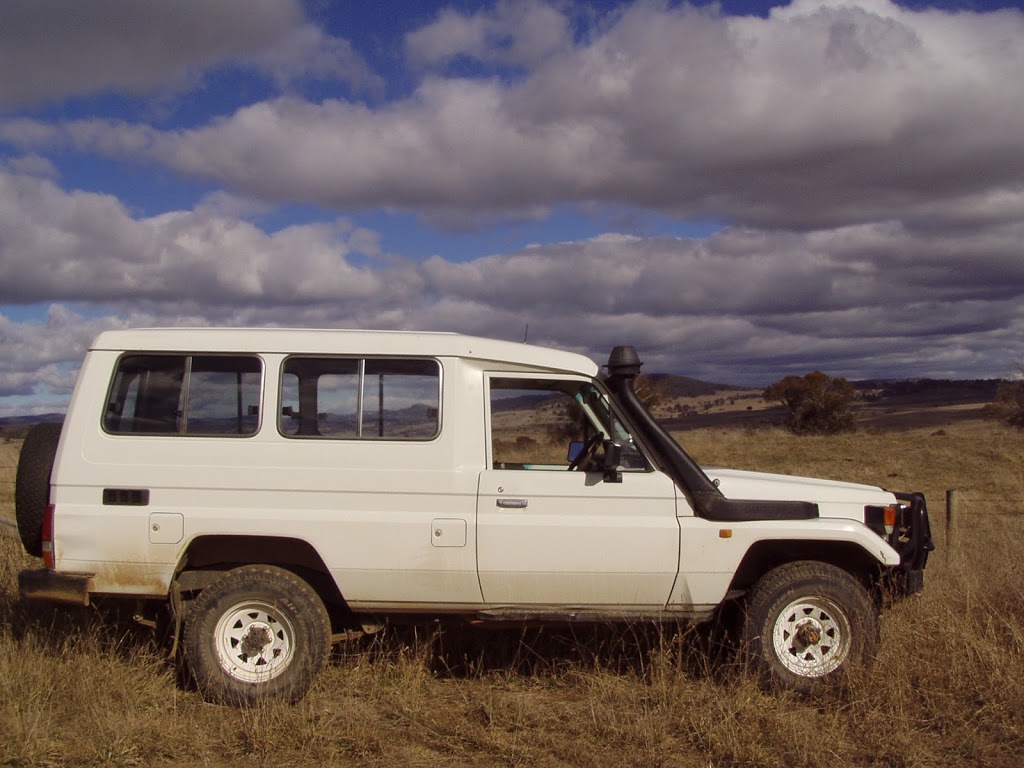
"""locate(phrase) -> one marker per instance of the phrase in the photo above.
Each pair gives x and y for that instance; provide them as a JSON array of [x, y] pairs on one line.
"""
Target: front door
[[554, 537]]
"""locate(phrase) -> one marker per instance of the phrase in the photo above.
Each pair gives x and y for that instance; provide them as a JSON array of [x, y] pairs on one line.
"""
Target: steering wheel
[[585, 455]]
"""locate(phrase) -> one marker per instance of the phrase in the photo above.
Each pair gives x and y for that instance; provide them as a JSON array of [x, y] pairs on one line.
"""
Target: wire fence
[[963, 505]]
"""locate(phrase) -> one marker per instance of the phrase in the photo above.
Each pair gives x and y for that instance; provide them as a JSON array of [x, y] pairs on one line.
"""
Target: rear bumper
[[44, 584]]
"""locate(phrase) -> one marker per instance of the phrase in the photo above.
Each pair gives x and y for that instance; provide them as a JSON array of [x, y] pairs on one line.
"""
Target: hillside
[[891, 404], [686, 403]]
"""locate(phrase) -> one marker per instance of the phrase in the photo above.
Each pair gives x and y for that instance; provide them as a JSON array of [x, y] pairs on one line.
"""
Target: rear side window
[[360, 399], [200, 395]]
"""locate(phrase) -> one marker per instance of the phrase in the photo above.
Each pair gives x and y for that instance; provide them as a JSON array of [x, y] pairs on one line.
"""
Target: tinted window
[[534, 423], [185, 395], [320, 398], [342, 398]]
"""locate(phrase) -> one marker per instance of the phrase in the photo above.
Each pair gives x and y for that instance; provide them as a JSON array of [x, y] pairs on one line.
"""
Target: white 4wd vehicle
[[278, 489]]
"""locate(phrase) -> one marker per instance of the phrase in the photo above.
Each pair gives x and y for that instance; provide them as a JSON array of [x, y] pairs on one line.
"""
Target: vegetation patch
[[85, 687]]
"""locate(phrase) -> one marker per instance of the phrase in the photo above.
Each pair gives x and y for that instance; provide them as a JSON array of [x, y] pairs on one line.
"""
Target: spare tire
[[32, 484]]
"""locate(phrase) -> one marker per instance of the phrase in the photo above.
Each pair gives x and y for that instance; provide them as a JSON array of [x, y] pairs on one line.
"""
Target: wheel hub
[[256, 638], [808, 633]]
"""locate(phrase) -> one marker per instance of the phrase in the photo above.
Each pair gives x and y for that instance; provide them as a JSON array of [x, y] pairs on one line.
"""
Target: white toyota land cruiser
[[272, 490]]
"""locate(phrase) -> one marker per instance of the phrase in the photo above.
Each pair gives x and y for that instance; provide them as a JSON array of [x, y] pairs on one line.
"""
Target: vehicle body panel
[[426, 526]]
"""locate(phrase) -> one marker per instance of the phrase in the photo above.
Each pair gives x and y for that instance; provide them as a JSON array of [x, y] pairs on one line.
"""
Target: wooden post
[[952, 504]]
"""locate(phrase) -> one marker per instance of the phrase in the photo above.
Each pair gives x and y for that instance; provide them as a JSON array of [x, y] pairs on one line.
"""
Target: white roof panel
[[341, 342]]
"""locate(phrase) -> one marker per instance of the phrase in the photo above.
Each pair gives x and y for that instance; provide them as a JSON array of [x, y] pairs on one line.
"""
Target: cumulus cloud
[[517, 32], [743, 305], [305, 51], [820, 115], [82, 246], [51, 49], [866, 162]]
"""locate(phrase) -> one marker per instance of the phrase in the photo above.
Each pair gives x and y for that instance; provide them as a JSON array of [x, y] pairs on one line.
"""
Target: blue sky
[[742, 190]]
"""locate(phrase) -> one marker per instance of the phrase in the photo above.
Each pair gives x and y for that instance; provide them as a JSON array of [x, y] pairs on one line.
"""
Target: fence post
[[952, 504]]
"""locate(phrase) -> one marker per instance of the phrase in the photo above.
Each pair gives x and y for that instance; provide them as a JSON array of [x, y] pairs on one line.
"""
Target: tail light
[[48, 559]]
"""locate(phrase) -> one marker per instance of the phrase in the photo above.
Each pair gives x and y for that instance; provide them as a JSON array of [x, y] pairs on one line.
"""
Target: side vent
[[126, 497]]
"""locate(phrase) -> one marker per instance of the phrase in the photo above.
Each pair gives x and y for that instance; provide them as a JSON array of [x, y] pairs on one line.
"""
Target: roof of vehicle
[[341, 342]]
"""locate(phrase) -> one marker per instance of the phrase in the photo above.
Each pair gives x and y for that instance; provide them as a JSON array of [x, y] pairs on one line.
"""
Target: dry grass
[[78, 687], [9, 450]]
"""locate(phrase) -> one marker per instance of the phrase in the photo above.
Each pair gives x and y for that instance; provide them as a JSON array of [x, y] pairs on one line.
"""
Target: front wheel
[[806, 622], [257, 632]]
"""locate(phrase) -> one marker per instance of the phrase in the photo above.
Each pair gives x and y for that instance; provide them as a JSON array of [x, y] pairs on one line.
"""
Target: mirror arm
[[612, 459]]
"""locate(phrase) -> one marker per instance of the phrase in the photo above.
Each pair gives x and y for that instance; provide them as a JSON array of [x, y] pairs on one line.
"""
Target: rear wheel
[[806, 622], [257, 632], [32, 484]]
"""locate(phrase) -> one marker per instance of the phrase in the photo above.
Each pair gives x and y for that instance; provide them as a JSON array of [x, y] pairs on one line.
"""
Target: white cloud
[[307, 52], [32, 165], [742, 305], [52, 49], [516, 32], [818, 116], [867, 160], [82, 246]]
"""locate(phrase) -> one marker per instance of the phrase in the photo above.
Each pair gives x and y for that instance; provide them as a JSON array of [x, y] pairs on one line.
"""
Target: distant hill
[[15, 427], [882, 402], [929, 390], [28, 421], [683, 386]]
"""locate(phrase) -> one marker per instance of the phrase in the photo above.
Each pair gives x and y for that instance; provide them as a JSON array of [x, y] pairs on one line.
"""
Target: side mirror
[[575, 448], [612, 459]]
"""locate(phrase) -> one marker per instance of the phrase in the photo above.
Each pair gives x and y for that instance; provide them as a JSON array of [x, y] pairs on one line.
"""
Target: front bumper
[[44, 584], [912, 537]]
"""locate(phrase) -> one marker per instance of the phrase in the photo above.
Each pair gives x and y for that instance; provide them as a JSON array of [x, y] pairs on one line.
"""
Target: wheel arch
[[206, 557], [764, 556]]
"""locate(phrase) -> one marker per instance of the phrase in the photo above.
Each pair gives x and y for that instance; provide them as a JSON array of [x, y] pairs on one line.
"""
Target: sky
[[741, 190]]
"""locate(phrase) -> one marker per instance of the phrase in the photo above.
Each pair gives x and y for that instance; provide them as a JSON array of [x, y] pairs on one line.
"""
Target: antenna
[[526, 333]]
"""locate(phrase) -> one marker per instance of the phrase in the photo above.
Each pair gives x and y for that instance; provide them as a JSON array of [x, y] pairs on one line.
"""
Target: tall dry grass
[[8, 466], [80, 687]]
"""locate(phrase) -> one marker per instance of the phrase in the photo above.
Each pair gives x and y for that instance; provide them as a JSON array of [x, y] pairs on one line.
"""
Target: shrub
[[817, 403], [1008, 404]]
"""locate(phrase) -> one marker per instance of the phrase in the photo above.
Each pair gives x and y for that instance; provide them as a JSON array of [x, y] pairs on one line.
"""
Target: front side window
[[199, 395], [360, 399], [542, 423]]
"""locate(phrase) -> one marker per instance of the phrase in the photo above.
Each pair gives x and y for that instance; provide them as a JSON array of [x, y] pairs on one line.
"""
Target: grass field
[[78, 687]]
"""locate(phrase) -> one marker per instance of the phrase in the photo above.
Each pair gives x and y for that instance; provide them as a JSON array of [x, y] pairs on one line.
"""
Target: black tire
[[258, 632], [807, 622], [32, 484]]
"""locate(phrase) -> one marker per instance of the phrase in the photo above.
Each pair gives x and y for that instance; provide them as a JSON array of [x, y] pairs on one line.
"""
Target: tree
[[650, 391], [1008, 404], [817, 402]]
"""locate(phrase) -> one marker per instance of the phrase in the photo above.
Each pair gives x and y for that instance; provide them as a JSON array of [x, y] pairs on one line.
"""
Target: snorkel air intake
[[623, 367]]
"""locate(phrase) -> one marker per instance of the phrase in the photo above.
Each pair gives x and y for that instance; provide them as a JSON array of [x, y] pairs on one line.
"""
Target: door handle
[[512, 503]]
